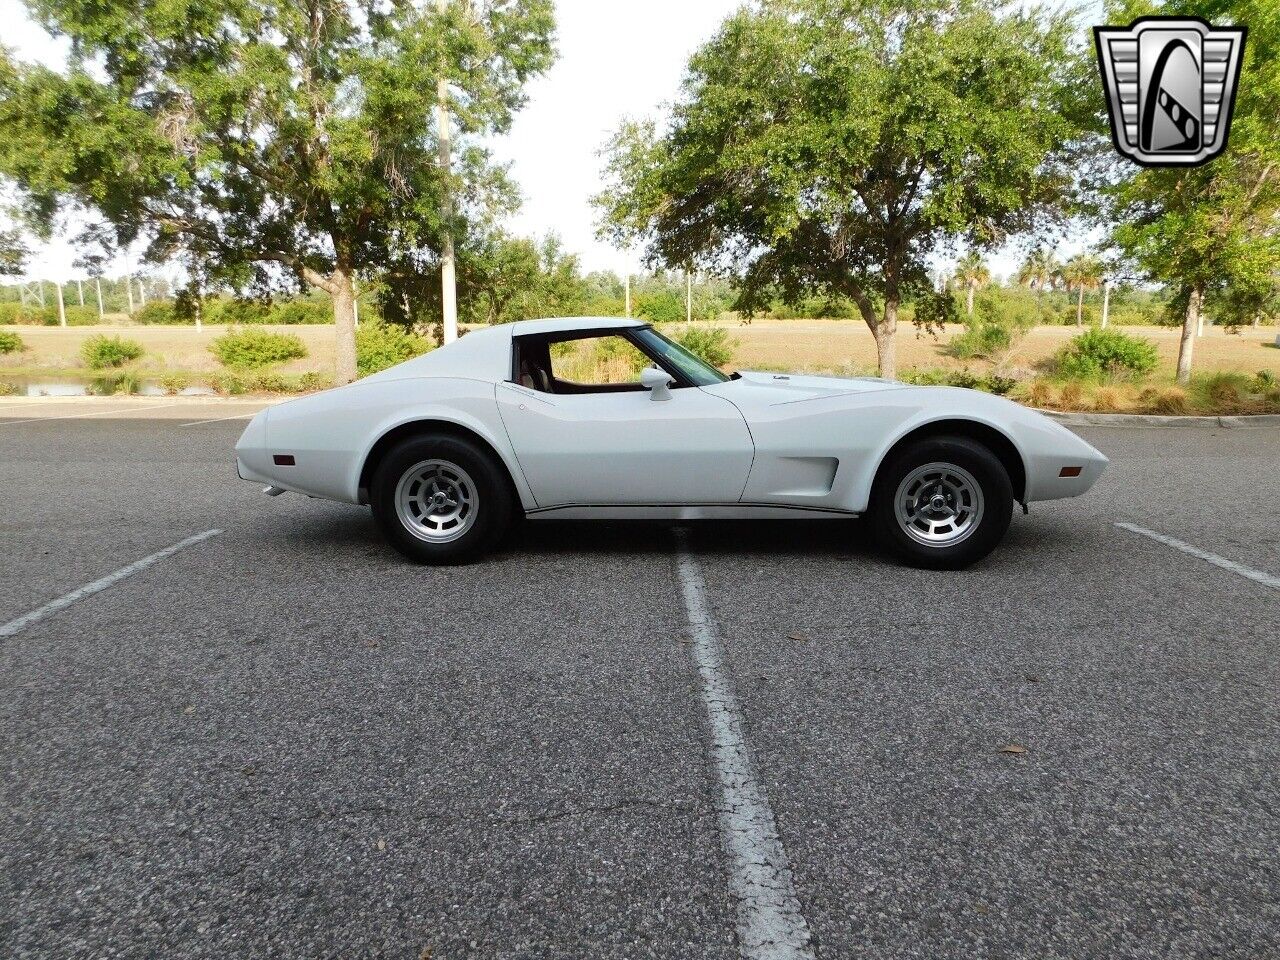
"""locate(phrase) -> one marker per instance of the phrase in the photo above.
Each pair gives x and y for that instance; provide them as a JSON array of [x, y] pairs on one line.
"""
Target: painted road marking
[[14, 627], [770, 924], [1257, 576], [238, 416], [81, 416]]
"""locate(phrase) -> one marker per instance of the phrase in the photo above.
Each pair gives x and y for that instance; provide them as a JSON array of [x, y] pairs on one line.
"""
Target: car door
[[609, 443]]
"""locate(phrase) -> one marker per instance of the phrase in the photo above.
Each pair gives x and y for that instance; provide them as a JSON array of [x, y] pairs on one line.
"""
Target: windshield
[[695, 370]]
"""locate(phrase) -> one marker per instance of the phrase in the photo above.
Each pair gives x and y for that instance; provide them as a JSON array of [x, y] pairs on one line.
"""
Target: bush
[[230, 310], [11, 342], [1097, 354], [980, 340], [79, 316], [251, 347], [312, 381], [159, 312], [101, 352], [17, 313], [302, 311], [712, 344], [115, 384], [959, 378], [382, 345]]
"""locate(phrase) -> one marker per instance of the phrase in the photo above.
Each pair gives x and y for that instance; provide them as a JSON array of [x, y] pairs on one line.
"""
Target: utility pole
[[97, 282], [688, 297], [448, 268], [1106, 302], [62, 307], [80, 286], [627, 288], [142, 290], [128, 289]]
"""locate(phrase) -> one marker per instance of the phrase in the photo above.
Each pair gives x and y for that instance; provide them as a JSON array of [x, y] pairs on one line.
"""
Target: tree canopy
[[829, 147], [256, 138], [13, 253], [1210, 233]]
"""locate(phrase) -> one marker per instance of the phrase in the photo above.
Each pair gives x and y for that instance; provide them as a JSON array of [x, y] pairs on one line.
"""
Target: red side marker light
[[286, 460], [1064, 472]]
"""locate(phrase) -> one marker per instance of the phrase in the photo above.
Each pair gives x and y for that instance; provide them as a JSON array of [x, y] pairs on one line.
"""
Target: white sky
[[617, 59]]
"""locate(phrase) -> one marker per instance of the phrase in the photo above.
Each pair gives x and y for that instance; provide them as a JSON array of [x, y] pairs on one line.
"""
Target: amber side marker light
[[286, 460], [1064, 472]]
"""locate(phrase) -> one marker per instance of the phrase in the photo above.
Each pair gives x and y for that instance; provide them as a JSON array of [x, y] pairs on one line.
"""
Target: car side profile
[[605, 418]]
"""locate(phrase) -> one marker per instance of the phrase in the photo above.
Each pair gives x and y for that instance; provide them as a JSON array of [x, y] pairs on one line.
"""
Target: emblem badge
[[1171, 85]]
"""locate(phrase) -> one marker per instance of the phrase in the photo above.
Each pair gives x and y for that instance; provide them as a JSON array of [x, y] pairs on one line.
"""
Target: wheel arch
[[417, 427], [990, 437]]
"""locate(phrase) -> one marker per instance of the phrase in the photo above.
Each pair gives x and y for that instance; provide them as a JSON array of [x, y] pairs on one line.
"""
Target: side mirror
[[657, 381]]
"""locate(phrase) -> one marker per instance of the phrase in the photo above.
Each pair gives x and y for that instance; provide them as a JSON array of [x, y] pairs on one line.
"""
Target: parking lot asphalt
[[284, 741]]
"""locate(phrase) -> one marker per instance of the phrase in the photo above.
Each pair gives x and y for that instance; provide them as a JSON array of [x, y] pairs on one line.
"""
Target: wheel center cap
[[438, 500], [938, 502]]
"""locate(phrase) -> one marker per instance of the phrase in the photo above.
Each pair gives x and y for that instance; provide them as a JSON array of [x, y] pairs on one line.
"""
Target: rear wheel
[[440, 499], [942, 503]]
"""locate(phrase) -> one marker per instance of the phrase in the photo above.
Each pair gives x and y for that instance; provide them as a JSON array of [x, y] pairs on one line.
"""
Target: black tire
[[993, 486], [473, 468]]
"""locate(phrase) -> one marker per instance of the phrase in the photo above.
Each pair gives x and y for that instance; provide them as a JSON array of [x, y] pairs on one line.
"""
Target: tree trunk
[[1080, 307], [344, 318], [971, 299], [1106, 304], [885, 333], [1189, 325]]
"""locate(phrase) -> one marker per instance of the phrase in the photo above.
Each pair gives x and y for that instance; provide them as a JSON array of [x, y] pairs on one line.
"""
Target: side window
[[597, 361]]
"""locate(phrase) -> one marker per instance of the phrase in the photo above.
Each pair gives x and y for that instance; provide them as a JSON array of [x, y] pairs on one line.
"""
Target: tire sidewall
[[493, 506], [986, 469]]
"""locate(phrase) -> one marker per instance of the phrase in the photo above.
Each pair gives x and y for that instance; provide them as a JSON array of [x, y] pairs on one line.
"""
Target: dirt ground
[[832, 346]]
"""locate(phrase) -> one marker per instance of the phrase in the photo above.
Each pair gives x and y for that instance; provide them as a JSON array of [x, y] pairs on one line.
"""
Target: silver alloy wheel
[[938, 504], [436, 501]]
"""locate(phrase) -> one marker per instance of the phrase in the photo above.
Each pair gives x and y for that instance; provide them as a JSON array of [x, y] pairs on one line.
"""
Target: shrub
[[101, 352], [984, 340], [960, 378], [1167, 401], [78, 316], [228, 384], [312, 381], [382, 345], [1096, 354], [268, 383], [230, 310], [302, 311], [159, 312], [174, 383], [10, 342], [115, 384], [17, 313], [251, 347], [712, 344]]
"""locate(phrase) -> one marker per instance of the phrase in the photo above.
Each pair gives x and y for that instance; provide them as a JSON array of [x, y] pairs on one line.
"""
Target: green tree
[[973, 275], [1039, 271], [829, 147], [262, 139], [13, 253], [1082, 272], [1209, 233]]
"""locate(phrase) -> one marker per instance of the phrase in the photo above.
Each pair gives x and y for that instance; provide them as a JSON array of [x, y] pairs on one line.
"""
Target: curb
[[1144, 420]]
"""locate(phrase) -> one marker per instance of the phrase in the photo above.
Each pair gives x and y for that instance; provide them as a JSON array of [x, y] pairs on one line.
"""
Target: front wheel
[[942, 503], [440, 499]]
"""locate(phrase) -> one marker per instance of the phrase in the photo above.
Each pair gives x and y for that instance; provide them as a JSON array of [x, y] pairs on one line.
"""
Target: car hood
[[790, 387]]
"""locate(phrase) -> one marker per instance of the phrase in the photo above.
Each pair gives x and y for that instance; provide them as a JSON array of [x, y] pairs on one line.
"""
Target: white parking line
[[14, 627], [81, 416], [238, 416], [1258, 576], [770, 924]]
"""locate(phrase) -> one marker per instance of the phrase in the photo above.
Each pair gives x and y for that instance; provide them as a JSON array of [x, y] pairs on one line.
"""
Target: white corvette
[[607, 418]]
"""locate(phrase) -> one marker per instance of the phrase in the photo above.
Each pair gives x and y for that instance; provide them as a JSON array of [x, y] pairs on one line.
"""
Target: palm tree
[[972, 274], [1082, 272], [1039, 270]]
